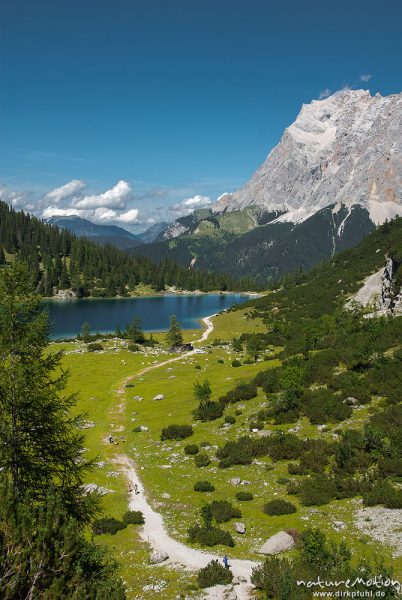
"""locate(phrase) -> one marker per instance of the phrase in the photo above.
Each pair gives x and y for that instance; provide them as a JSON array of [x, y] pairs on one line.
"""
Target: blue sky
[[132, 105]]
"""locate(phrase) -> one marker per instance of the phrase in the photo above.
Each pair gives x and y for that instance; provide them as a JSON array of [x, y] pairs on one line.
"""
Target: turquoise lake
[[104, 315]]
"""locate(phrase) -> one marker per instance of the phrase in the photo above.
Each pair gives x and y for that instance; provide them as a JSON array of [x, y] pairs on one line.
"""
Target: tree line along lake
[[105, 315]]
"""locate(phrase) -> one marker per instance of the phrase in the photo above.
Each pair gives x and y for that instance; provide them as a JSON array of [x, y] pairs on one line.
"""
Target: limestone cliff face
[[379, 291], [344, 150]]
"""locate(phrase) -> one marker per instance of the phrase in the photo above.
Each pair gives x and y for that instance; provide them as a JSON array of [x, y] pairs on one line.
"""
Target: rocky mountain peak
[[345, 149]]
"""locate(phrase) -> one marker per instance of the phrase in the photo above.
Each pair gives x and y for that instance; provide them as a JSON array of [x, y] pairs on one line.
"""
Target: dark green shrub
[[214, 574], [279, 507], [210, 536], [220, 361], [133, 348], [317, 490], [321, 406], [223, 511], [244, 496], [236, 363], [202, 460], [203, 486], [176, 432], [383, 493], [230, 419], [133, 517], [282, 480], [209, 411], [94, 347], [191, 449], [107, 525], [197, 367]]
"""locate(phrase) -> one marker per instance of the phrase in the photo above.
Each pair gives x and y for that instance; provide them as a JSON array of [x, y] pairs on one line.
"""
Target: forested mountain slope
[[59, 260]]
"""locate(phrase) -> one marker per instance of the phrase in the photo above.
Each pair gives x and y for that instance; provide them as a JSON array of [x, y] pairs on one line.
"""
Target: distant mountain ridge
[[335, 175], [101, 234]]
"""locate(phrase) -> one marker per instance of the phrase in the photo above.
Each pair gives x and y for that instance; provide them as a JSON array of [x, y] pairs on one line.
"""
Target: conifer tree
[[134, 331], [40, 444], [174, 336]]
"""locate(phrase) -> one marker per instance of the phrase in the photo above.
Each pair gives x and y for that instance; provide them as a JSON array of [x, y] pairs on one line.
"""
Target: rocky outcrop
[[380, 293]]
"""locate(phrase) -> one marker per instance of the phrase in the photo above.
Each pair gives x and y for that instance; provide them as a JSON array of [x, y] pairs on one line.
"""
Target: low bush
[[133, 348], [197, 367], [191, 449], [133, 517], [230, 419], [257, 425], [283, 480], [107, 525], [94, 347], [176, 432], [203, 486], [202, 460], [279, 507], [383, 493], [223, 511], [317, 490], [209, 411], [236, 363], [221, 361], [214, 574], [244, 496], [209, 536]]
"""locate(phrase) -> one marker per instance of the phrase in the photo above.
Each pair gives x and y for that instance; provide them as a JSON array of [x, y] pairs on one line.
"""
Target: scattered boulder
[[280, 542], [90, 488], [159, 397], [337, 525], [240, 527], [165, 495], [235, 481], [157, 557], [143, 428]]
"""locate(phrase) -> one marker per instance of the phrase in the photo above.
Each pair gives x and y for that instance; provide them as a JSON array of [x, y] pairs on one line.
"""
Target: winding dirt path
[[153, 531]]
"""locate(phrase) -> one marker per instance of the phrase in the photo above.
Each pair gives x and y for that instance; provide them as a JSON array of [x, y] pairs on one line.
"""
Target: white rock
[[159, 397], [240, 527], [157, 557], [235, 481], [279, 542], [144, 428]]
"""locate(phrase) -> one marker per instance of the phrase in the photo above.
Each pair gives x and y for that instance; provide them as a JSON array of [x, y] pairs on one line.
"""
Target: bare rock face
[[280, 542], [344, 150]]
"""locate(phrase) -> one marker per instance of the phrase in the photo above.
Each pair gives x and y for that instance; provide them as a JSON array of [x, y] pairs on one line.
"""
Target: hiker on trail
[[110, 439], [136, 489], [226, 562]]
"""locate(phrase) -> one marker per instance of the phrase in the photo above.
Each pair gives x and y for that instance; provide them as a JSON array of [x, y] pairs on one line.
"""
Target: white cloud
[[187, 206], [116, 197], [365, 77], [17, 199], [102, 215], [65, 191], [55, 211], [324, 94], [129, 217]]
